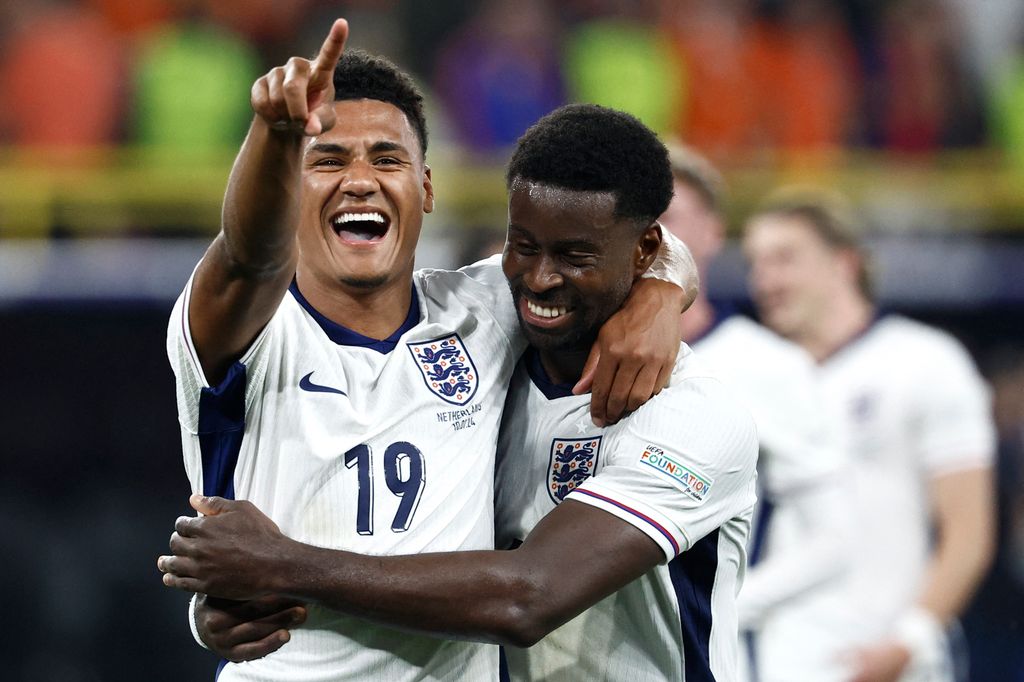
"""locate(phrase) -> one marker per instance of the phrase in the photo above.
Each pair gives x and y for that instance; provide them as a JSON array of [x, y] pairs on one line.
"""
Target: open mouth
[[360, 227], [544, 311]]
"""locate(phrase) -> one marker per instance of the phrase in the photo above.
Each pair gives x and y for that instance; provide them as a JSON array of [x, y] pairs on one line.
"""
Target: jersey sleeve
[[679, 467], [495, 294], [953, 412], [202, 406]]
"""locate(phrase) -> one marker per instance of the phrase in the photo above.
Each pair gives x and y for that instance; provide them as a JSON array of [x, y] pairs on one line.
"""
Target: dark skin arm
[[507, 597], [248, 267]]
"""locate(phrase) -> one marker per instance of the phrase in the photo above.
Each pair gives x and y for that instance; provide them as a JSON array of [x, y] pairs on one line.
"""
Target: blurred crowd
[[733, 78]]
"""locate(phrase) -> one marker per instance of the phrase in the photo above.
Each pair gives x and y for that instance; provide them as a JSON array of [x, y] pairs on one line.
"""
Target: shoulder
[[919, 345]]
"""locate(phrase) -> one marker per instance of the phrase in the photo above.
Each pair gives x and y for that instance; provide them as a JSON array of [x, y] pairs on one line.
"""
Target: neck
[[564, 366], [697, 319], [845, 318], [375, 313]]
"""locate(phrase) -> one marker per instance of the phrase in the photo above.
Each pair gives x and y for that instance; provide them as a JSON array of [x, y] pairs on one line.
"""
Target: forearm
[[260, 215], [965, 542], [483, 596]]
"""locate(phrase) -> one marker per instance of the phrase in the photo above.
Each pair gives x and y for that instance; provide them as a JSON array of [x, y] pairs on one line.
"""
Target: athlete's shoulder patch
[[684, 477], [446, 368], [573, 460]]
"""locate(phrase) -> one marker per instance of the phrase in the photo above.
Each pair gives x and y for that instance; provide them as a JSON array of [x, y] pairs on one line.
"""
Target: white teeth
[[350, 217], [545, 312]]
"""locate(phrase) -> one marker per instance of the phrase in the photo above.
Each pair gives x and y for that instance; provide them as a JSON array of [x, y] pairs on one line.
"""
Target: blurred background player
[[656, 507], [915, 417], [802, 530]]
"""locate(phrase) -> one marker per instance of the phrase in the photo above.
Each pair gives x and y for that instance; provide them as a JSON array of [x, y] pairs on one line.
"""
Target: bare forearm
[[965, 543], [483, 596], [260, 214]]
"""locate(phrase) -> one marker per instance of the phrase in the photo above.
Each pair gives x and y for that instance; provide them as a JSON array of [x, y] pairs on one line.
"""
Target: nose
[[358, 179], [543, 275]]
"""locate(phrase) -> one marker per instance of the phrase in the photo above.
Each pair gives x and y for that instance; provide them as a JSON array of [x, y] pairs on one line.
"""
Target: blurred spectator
[[501, 72], [722, 106], [61, 76], [928, 99], [137, 16], [806, 72], [192, 88], [619, 59]]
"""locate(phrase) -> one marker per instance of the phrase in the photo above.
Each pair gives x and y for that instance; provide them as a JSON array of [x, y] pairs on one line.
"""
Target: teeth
[[351, 217], [540, 311]]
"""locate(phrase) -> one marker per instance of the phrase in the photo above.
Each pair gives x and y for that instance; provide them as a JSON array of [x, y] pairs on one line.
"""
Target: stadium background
[[119, 119]]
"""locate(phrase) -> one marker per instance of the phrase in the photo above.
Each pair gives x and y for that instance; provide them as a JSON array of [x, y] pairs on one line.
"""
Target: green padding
[[629, 67], [192, 89]]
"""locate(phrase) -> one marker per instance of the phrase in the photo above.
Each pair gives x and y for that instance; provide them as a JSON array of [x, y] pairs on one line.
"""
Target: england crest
[[573, 460], [447, 368]]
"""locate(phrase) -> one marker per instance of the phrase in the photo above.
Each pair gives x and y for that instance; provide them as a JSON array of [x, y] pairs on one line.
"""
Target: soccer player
[[354, 401], [802, 529], [917, 423], [632, 535]]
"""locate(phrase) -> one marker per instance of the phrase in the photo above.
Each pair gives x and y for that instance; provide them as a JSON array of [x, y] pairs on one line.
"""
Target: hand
[[234, 551], [247, 630], [299, 97], [635, 351], [883, 662]]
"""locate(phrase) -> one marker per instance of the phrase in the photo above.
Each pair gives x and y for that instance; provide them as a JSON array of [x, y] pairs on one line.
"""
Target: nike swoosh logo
[[306, 385]]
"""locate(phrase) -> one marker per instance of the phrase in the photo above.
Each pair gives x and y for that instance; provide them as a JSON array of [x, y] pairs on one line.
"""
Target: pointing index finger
[[332, 48]]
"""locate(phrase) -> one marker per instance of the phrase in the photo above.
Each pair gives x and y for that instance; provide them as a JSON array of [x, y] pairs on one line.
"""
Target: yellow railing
[[136, 191]]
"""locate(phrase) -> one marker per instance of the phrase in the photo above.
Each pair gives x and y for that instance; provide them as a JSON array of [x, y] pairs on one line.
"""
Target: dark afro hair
[[595, 149], [360, 75]]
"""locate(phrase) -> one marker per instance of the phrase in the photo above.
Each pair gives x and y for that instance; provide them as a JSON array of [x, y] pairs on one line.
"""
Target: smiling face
[[570, 262], [365, 188], [794, 274]]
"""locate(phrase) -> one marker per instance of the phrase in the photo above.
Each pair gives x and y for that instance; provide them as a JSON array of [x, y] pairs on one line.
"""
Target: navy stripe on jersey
[[221, 425], [344, 336], [764, 519], [693, 577]]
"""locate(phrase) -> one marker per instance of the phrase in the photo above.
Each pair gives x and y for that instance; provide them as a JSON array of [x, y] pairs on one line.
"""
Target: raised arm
[[248, 267], [509, 597]]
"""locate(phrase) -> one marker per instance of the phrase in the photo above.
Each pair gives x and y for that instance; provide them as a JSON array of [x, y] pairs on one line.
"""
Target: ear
[[428, 190], [647, 247]]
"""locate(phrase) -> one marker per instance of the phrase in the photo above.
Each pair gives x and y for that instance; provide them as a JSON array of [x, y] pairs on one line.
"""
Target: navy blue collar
[[878, 316], [344, 336], [540, 378]]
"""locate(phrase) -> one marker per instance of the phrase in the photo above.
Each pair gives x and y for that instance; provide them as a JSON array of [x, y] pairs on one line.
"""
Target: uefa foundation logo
[[447, 368]]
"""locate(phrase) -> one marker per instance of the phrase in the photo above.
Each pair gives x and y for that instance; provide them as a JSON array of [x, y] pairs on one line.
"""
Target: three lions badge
[[573, 460], [447, 368]]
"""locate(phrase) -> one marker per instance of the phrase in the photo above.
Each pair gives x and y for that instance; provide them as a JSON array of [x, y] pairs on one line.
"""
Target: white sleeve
[[675, 264], [679, 467], [496, 296], [825, 551], [953, 412], [191, 383]]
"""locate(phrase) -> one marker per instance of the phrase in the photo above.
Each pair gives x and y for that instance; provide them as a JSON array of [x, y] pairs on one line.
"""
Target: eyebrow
[[563, 245], [375, 148]]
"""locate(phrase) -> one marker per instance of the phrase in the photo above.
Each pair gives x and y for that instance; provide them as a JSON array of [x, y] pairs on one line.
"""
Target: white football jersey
[[800, 537], [680, 469], [912, 406], [377, 447]]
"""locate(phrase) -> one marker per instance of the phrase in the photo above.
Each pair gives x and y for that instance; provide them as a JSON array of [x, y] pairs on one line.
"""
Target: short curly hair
[[596, 149], [360, 75]]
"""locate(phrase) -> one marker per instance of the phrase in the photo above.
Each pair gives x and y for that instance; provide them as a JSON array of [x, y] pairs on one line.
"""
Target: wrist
[[192, 624]]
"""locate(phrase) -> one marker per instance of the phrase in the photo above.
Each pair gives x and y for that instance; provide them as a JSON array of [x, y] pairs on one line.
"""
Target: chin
[[366, 282]]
